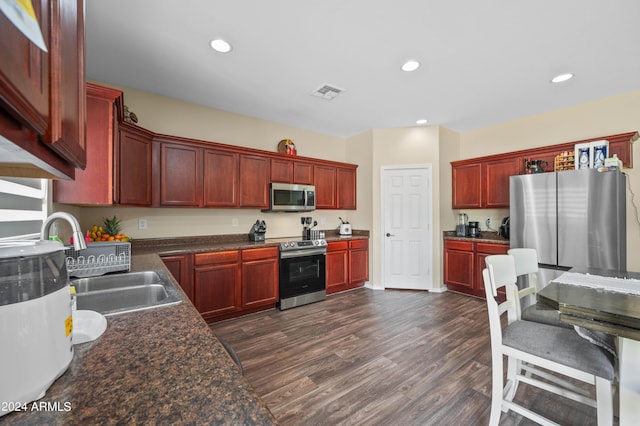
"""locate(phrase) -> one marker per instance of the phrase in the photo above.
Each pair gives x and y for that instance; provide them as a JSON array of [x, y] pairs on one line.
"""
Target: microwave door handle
[[306, 201]]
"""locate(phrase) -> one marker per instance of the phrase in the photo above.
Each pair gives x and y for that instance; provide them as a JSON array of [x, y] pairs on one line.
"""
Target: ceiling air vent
[[328, 92]]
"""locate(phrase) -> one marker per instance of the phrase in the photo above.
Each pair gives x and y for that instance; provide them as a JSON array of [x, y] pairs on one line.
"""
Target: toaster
[[345, 229]]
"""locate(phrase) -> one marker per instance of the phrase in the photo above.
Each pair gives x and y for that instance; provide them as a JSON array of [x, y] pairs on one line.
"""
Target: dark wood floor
[[389, 357]]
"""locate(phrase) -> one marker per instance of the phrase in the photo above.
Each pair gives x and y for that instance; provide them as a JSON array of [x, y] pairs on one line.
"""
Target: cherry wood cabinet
[[97, 183], [337, 266], [217, 283], [220, 179], [302, 173], [42, 94], [134, 166], [181, 267], [464, 262], [291, 171], [483, 182], [347, 264], [260, 275], [255, 174], [346, 188], [495, 181], [66, 128], [180, 174], [325, 182]]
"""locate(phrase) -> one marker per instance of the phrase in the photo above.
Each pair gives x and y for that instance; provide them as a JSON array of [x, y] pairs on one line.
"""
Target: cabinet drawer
[[458, 245], [337, 245], [492, 248], [359, 244], [217, 257], [261, 253]]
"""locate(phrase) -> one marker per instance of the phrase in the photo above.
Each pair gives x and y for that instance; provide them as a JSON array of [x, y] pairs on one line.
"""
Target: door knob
[[390, 235]]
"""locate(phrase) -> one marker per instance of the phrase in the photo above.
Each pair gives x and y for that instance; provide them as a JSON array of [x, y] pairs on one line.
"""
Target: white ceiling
[[483, 62]]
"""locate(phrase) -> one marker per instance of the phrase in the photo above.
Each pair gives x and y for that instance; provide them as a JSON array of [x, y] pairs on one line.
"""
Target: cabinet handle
[[390, 235]]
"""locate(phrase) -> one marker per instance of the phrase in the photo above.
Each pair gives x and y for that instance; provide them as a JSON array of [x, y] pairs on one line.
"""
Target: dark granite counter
[[159, 366], [205, 244], [485, 237]]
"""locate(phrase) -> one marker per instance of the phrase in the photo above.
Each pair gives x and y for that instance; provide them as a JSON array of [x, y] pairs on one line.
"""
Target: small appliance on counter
[[345, 227], [308, 233], [462, 228], [35, 319], [503, 231], [474, 229], [258, 230]]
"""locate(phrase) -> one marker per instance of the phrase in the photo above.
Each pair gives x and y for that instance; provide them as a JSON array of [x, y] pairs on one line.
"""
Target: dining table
[[604, 301]]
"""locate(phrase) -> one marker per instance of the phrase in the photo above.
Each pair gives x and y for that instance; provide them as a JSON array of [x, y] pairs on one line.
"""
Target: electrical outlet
[[142, 223], [234, 221], [488, 222], [322, 220]]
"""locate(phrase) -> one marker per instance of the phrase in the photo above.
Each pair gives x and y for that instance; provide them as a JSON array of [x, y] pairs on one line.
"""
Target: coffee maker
[[474, 229], [462, 228]]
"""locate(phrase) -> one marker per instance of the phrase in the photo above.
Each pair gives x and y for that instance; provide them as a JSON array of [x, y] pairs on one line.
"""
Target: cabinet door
[[467, 189], [482, 251], [254, 181], [217, 289], [337, 266], [259, 282], [358, 261], [281, 170], [95, 184], [24, 72], [134, 166], [180, 175], [220, 178], [496, 181], [66, 130], [459, 265], [325, 183], [181, 267], [346, 184], [302, 173]]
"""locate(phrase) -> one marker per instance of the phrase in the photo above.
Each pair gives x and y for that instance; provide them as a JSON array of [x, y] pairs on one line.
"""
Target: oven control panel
[[302, 244]]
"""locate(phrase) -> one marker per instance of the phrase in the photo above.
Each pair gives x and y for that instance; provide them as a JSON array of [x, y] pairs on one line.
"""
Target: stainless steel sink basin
[[120, 293]]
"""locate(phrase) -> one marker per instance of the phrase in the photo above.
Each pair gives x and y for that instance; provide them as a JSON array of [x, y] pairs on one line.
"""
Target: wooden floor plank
[[389, 357]]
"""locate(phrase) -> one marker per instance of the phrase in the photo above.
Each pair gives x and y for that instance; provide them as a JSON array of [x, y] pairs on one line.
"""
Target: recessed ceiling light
[[562, 77], [220, 45], [421, 121], [410, 65]]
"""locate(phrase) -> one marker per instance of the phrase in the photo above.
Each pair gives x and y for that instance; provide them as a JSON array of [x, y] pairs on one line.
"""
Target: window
[[23, 207]]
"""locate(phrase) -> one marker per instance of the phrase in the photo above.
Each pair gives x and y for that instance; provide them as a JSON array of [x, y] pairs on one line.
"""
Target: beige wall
[[613, 115]]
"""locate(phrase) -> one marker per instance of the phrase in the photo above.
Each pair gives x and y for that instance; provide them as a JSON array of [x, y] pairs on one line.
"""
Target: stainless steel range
[[302, 271]]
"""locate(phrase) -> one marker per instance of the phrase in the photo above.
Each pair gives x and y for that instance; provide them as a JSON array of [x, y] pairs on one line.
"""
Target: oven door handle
[[302, 253]]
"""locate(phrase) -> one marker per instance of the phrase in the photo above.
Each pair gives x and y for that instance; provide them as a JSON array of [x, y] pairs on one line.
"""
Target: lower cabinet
[[464, 262], [347, 265], [181, 267], [231, 283]]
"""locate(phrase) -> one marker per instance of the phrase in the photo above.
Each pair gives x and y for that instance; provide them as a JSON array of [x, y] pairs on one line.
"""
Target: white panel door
[[406, 206]]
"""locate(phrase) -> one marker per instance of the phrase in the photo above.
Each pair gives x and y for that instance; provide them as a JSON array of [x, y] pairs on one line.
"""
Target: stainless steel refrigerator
[[572, 218]]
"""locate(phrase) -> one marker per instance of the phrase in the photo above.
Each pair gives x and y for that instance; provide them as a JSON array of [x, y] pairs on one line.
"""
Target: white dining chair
[[530, 346], [526, 263]]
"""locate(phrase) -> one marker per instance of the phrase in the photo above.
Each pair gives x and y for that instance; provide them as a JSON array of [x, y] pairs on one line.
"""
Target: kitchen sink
[[120, 293]]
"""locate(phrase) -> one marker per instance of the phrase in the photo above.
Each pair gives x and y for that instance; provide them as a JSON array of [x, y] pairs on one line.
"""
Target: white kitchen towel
[[620, 285]]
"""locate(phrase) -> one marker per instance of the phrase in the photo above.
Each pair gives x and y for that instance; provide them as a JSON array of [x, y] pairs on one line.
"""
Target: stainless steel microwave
[[287, 197]]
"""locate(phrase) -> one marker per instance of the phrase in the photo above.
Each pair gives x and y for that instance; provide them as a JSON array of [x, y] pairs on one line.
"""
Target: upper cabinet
[[291, 171], [42, 94], [255, 174], [484, 182], [118, 157]]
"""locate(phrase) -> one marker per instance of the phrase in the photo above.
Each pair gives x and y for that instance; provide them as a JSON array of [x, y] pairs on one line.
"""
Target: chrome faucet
[[78, 239]]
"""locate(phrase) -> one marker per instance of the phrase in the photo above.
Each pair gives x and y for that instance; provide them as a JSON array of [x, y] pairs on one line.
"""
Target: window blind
[[23, 207]]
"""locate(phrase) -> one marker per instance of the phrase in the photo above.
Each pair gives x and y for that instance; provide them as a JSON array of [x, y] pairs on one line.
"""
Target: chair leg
[[604, 401], [497, 389]]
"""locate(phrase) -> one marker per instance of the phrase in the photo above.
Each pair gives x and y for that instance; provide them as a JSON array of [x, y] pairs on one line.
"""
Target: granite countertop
[[485, 237], [205, 244], [159, 366]]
